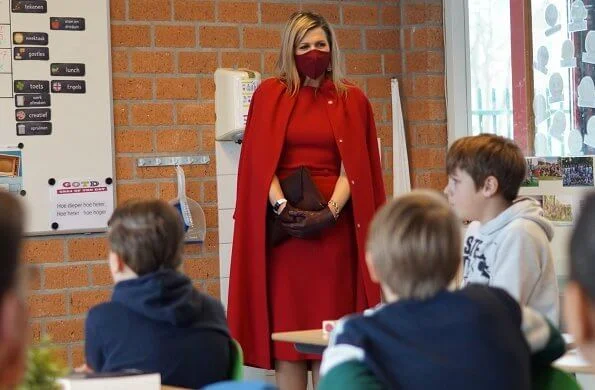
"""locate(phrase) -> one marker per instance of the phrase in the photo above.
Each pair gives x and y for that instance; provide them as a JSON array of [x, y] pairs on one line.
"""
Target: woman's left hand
[[309, 223]]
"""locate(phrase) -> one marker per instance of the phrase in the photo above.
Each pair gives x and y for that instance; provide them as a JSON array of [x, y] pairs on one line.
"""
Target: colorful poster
[[560, 209], [577, 171], [11, 170]]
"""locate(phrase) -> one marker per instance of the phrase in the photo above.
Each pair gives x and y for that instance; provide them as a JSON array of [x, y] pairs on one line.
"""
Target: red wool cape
[[353, 126]]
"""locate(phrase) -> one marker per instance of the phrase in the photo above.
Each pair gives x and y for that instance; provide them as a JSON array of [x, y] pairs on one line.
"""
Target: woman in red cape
[[307, 116]]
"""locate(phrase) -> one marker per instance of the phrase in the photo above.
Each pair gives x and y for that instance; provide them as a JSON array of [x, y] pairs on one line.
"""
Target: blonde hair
[[295, 30], [415, 244]]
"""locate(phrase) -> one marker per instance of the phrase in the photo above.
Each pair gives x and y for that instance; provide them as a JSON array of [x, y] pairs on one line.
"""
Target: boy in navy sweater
[[426, 337], [156, 320]]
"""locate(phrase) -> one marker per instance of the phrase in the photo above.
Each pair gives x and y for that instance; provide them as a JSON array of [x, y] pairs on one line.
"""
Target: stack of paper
[[112, 381]]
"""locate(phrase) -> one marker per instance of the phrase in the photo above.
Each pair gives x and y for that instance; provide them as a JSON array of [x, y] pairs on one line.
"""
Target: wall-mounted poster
[[55, 102], [11, 170]]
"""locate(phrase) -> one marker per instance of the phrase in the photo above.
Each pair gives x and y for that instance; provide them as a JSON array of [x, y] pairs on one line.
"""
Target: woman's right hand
[[290, 214]]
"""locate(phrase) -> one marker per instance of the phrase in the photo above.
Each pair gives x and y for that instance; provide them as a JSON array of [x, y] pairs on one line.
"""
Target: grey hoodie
[[512, 251]]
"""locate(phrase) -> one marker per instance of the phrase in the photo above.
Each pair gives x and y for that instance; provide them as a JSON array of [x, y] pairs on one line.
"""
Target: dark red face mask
[[313, 63]]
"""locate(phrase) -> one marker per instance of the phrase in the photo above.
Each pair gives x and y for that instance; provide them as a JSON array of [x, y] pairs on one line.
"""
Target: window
[[522, 69]]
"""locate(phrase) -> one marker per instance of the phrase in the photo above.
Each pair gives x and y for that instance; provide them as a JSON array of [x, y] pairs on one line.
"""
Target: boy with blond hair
[[424, 336], [507, 243]]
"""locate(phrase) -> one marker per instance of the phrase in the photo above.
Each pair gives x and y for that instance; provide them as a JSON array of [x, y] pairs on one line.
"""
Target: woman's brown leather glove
[[308, 223], [285, 215]]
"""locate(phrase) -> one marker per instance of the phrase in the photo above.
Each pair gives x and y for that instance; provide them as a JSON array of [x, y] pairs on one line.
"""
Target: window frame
[[458, 76]]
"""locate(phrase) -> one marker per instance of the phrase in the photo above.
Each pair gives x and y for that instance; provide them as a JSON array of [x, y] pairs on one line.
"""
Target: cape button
[[330, 102], [358, 226], [340, 140]]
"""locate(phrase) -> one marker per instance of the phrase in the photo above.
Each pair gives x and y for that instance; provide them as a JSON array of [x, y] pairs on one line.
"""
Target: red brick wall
[[423, 91], [164, 53]]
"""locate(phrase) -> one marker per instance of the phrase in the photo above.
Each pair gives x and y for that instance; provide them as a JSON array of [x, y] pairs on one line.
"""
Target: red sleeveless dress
[[314, 279]]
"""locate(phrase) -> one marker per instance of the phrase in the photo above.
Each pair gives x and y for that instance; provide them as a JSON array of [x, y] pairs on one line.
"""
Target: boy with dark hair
[[579, 308], [156, 321], [13, 318], [507, 242], [426, 337]]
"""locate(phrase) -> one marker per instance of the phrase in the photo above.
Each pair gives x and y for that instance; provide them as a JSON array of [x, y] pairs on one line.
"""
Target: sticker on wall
[[546, 168], [540, 108], [574, 142], [541, 145], [34, 128], [531, 180], [590, 136], [577, 171], [29, 7], [30, 38], [558, 125], [589, 54], [586, 92], [556, 88], [551, 18], [31, 53], [11, 169], [560, 209], [568, 59], [542, 58], [68, 24], [578, 16]]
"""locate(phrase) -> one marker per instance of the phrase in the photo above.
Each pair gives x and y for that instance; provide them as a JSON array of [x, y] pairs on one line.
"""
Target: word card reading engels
[[56, 123]]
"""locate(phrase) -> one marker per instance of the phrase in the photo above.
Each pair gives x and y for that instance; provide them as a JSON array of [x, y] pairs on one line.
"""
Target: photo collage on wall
[[572, 171], [560, 173]]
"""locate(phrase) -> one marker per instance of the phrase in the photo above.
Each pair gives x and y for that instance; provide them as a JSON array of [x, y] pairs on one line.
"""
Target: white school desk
[[313, 341]]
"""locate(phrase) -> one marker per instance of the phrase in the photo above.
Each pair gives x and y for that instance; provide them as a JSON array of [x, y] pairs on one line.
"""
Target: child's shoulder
[[354, 325], [105, 312], [523, 229]]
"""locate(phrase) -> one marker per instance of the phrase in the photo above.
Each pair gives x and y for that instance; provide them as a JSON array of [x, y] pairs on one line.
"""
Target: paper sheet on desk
[[572, 358]]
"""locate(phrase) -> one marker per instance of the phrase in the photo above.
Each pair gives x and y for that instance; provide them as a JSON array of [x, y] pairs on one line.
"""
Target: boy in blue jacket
[[424, 336], [580, 291], [156, 321]]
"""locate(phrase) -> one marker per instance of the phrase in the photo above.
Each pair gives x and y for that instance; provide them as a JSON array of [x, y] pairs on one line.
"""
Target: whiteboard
[[56, 120]]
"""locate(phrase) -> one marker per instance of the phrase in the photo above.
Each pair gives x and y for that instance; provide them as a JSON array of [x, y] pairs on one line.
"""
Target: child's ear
[[116, 263], [371, 267], [577, 312], [490, 186]]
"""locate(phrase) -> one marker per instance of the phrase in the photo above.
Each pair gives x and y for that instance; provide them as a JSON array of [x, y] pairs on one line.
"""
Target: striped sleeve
[[344, 346]]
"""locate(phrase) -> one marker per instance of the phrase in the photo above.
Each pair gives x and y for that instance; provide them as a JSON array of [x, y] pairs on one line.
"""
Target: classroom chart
[[56, 121]]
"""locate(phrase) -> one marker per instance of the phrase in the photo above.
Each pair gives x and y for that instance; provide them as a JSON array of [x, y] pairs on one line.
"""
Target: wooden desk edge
[[312, 337]]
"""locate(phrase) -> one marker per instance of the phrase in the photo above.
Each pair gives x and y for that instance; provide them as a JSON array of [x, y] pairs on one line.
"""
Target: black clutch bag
[[299, 190]]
